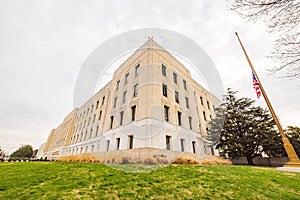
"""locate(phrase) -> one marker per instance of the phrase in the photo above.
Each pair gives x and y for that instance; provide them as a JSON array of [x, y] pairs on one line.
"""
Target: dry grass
[[215, 160], [120, 160], [185, 161]]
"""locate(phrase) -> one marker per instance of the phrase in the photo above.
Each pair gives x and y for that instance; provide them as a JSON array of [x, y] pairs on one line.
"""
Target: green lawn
[[58, 180]]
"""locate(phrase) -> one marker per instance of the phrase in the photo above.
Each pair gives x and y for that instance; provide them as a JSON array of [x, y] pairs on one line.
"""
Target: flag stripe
[[256, 86]]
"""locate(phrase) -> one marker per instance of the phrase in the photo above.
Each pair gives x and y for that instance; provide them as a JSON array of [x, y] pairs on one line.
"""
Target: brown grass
[[185, 161], [121, 160], [215, 160]]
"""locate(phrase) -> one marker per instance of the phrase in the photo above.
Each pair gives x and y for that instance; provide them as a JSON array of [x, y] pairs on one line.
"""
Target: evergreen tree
[[293, 133], [25, 151], [248, 130]]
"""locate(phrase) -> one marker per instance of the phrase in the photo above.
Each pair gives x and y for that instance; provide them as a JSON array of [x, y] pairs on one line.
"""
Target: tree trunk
[[249, 159]]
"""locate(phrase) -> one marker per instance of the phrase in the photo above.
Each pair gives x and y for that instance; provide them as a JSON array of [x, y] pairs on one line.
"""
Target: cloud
[[44, 44]]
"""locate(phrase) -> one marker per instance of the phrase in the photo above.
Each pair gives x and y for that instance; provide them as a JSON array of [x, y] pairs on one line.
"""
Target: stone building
[[151, 102]]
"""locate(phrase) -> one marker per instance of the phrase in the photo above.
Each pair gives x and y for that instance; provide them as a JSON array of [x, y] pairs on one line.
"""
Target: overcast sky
[[43, 44]]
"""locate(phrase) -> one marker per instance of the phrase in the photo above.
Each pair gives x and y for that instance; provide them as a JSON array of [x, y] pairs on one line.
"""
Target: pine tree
[[248, 130]]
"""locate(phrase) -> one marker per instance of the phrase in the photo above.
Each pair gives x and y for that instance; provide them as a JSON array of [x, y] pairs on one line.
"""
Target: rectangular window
[[163, 69], [166, 112], [175, 77], [97, 130], [190, 122], [176, 97], [179, 118], [126, 78], [124, 96], [182, 144], [91, 133], [201, 100], [103, 99], [118, 84], [111, 121], [117, 143], [184, 84], [135, 90], [121, 117], [94, 118], [130, 141], [92, 150], [168, 142], [97, 104], [133, 111], [187, 102], [208, 104], [164, 90], [137, 70], [204, 115], [100, 115], [115, 102], [194, 146], [92, 108], [107, 145]]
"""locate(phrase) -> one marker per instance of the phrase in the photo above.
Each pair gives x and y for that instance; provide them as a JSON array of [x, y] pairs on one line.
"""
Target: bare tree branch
[[282, 17]]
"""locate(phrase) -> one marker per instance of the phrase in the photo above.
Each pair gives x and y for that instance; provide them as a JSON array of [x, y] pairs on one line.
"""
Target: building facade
[[151, 102]]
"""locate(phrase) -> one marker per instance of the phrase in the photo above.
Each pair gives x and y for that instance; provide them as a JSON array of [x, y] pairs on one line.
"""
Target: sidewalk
[[289, 169]]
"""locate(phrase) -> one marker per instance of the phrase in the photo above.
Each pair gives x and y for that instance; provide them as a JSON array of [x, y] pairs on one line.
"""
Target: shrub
[[185, 161]]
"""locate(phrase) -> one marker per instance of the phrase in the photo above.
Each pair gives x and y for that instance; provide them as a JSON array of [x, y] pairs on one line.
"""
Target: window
[[164, 90], [118, 84], [133, 111], [175, 77], [163, 69], [124, 96], [194, 146], [115, 102], [91, 133], [97, 104], [210, 117], [135, 90], [187, 102], [111, 121], [92, 150], [179, 118], [166, 112], [137, 70], [92, 108], [100, 114], [107, 145], [184, 84], [118, 143], [182, 144], [168, 142], [130, 141], [201, 100], [94, 118], [103, 99], [208, 104], [126, 78], [190, 122], [204, 115], [121, 117], [89, 121], [176, 97], [97, 130]]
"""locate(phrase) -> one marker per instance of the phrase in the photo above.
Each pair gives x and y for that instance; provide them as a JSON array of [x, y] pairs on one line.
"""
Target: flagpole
[[293, 158]]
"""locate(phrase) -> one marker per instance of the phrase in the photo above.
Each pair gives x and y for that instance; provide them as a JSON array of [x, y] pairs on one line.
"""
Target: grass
[[60, 180]]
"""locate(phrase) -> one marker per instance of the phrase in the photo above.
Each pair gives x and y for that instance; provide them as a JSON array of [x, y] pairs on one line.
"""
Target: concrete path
[[289, 169]]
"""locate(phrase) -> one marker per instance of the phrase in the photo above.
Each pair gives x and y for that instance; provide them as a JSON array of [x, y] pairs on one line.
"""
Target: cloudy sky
[[44, 43]]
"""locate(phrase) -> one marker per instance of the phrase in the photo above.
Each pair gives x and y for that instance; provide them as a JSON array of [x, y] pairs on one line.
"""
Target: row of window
[[164, 73], [130, 145], [137, 71], [133, 115], [165, 93]]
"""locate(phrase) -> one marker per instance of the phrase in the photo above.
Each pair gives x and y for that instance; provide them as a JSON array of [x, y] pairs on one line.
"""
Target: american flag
[[256, 85]]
